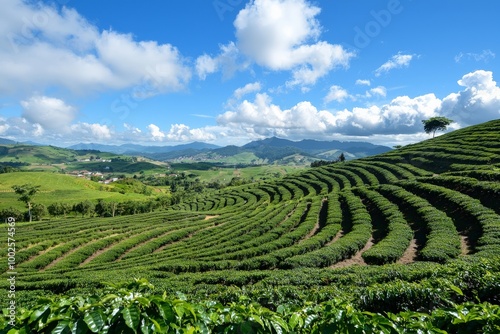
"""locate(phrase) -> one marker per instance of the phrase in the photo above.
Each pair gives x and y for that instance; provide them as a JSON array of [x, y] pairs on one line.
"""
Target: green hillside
[[51, 158], [57, 188], [414, 230]]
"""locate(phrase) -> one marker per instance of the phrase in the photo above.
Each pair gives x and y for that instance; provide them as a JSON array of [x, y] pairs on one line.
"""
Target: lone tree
[[26, 193], [436, 123]]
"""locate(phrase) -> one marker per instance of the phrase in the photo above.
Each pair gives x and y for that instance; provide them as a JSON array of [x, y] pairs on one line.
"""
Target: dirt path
[[170, 244], [74, 250], [316, 227], [207, 217], [99, 252], [142, 244], [356, 259], [339, 235], [41, 253], [410, 254], [464, 245]]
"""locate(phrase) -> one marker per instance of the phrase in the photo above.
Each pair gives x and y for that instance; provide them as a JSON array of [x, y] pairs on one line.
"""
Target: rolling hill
[[268, 150], [413, 229], [58, 188]]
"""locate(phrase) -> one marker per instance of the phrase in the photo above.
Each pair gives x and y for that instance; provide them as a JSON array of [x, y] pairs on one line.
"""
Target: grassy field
[[57, 188]]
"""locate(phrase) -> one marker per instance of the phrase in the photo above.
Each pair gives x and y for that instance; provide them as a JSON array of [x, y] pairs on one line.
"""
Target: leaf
[[156, 324], [132, 317], [38, 314], [145, 326], [166, 311], [62, 328], [79, 327], [94, 320], [294, 320], [456, 289]]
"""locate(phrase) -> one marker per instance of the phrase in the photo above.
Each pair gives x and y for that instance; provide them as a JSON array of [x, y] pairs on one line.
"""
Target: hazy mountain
[[4, 141], [135, 149], [274, 149], [321, 149], [266, 150]]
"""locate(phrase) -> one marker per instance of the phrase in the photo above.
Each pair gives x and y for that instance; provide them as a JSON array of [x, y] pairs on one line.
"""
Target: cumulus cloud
[[396, 61], [401, 115], [248, 88], [478, 102], [280, 35], [336, 93], [90, 132], [45, 47], [183, 133], [180, 133], [484, 56], [362, 82], [50, 113], [379, 91], [156, 134], [229, 61]]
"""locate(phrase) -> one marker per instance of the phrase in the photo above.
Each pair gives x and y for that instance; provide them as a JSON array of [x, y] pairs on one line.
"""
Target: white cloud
[[484, 56], [379, 90], [50, 113], [228, 61], [183, 133], [401, 115], [397, 61], [280, 35], [248, 88], [336, 93], [156, 134], [38, 130], [3, 127], [361, 82], [90, 132], [478, 102], [44, 48], [131, 128]]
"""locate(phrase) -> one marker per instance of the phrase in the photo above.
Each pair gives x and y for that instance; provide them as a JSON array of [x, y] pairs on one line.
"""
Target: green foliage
[[131, 308], [434, 124]]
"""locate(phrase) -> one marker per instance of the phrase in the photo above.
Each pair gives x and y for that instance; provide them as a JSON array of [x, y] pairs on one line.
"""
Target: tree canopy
[[434, 124], [26, 193]]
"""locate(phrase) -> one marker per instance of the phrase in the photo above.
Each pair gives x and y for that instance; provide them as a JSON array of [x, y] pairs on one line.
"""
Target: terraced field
[[432, 201], [437, 201]]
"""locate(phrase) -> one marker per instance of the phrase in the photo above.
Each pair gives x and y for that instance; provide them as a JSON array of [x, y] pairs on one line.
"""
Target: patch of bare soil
[[56, 261], [316, 227], [96, 254], [337, 237], [464, 245], [410, 254], [207, 217], [141, 244], [312, 232], [187, 237], [356, 259]]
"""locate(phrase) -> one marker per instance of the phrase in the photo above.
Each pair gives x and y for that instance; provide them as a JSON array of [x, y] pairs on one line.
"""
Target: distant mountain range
[[133, 149], [269, 149]]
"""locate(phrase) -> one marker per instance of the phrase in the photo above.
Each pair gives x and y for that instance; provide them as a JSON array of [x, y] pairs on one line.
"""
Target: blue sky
[[232, 71]]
